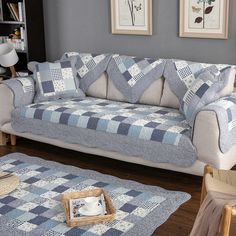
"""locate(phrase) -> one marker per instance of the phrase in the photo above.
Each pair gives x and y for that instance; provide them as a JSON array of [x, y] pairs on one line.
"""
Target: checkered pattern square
[[226, 108], [139, 121], [204, 90], [50, 78], [46, 217], [56, 80], [27, 84], [189, 71], [89, 67], [134, 69], [87, 61]]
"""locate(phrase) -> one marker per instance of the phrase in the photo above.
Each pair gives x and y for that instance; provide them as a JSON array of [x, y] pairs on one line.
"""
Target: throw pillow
[[204, 90], [132, 75], [55, 81], [89, 67]]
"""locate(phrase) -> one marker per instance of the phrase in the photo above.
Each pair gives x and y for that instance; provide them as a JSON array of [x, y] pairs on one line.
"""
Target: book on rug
[[88, 206]]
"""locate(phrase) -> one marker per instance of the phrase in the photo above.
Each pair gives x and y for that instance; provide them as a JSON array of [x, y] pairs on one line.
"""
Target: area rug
[[35, 207]]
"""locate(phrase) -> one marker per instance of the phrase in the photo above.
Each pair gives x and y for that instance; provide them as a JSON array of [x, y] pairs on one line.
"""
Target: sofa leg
[[13, 140], [3, 139]]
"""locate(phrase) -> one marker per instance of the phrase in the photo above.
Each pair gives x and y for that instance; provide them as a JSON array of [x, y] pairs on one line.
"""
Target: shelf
[[12, 22]]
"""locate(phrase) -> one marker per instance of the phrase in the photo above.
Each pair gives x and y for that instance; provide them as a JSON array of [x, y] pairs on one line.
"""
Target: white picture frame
[[204, 18], [131, 17]]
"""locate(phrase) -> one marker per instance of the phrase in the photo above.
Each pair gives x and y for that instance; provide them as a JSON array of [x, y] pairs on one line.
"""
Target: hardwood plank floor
[[179, 224]]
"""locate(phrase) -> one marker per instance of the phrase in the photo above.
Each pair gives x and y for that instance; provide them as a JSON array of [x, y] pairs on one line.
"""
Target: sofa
[[168, 114]]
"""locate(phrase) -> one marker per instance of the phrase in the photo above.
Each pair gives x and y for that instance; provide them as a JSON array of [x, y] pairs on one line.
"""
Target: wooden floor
[[179, 224]]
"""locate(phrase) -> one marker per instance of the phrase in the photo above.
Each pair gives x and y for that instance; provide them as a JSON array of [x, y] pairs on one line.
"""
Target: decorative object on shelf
[[204, 18], [131, 17], [8, 182], [15, 34], [23, 27], [8, 57]]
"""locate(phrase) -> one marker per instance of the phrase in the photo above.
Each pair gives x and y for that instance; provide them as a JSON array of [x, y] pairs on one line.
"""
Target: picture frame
[[131, 17], [204, 19]]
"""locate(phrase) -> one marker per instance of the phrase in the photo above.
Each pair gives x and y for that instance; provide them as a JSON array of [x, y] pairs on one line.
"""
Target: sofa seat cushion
[[163, 128], [137, 121]]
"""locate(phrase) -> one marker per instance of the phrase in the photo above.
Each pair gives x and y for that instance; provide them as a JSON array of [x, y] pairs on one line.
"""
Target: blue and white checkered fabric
[[227, 107], [158, 124], [35, 207], [133, 68], [89, 66], [189, 71], [27, 84], [88, 61]]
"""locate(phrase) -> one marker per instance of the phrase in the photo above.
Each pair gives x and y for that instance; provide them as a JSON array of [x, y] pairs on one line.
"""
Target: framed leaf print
[[131, 17], [204, 18]]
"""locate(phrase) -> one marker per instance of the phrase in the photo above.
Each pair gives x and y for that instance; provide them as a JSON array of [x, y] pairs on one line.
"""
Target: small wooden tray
[[90, 219]]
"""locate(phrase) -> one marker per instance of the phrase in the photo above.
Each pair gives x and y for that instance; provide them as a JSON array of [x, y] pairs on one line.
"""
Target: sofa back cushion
[[169, 99], [132, 76], [98, 89], [180, 75], [89, 67], [151, 96]]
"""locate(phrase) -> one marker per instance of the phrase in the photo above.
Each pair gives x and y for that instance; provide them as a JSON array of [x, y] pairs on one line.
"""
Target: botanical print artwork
[[204, 18], [131, 12], [131, 17], [204, 14]]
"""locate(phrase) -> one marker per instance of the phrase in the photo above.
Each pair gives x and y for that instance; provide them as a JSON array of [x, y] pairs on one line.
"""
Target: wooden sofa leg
[[13, 140], [3, 139]]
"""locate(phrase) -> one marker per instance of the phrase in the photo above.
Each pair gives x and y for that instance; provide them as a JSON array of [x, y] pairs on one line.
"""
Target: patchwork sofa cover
[[143, 123]]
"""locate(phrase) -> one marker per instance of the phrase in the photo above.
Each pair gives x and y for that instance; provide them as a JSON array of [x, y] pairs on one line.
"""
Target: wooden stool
[[225, 180]]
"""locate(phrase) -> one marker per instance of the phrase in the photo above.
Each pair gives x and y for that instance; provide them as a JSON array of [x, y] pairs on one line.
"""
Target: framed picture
[[131, 17], [204, 18]]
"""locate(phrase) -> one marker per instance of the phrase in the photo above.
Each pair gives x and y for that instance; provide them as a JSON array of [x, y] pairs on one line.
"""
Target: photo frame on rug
[[131, 17], [204, 18]]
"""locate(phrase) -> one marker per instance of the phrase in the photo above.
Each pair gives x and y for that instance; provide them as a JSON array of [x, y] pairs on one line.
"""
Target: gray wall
[[84, 25]]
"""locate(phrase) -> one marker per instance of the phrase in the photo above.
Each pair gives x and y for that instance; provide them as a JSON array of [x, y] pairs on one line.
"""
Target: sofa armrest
[[211, 132], [23, 89], [6, 104]]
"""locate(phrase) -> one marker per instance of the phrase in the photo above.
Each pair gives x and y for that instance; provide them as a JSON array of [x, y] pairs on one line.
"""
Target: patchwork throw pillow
[[132, 75], [204, 90], [55, 81], [182, 74], [89, 66]]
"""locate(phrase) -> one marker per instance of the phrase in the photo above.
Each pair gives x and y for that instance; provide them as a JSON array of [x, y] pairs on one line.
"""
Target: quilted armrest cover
[[23, 89]]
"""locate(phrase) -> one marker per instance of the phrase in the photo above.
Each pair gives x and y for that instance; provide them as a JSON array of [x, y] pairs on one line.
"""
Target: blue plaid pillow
[[204, 90], [55, 81]]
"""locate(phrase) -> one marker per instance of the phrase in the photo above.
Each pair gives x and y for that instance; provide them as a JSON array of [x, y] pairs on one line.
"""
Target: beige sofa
[[205, 137]]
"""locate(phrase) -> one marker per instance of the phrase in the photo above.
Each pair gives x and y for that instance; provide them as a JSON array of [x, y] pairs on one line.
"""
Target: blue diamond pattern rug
[[35, 208]]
